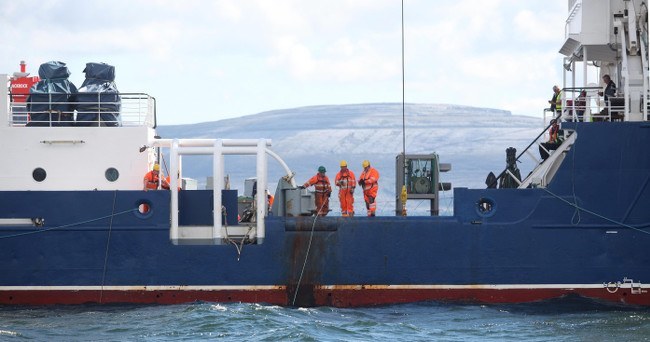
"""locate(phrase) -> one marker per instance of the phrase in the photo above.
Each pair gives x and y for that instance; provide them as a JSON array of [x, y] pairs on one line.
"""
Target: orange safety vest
[[320, 183], [152, 181], [370, 178], [345, 180]]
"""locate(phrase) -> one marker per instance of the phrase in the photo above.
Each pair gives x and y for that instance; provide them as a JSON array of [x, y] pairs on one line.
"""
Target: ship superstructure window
[[112, 174], [39, 174]]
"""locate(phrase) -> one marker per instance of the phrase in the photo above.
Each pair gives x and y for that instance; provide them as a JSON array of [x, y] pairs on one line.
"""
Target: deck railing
[[592, 106], [132, 109]]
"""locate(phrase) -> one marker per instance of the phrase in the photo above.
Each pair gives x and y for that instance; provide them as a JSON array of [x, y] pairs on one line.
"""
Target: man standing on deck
[[346, 182], [610, 88], [556, 100], [608, 94], [368, 181], [323, 191], [152, 178]]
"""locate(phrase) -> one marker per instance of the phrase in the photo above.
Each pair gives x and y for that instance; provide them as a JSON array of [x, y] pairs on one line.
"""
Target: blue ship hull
[[586, 233]]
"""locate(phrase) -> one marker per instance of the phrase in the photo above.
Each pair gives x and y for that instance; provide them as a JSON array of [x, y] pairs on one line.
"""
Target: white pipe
[[261, 190], [624, 72], [207, 142], [586, 115], [216, 189], [204, 150], [631, 27], [284, 165], [644, 66], [563, 98], [574, 115], [173, 160]]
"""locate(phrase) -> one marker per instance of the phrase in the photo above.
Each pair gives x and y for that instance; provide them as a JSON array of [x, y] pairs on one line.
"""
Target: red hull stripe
[[330, 295]]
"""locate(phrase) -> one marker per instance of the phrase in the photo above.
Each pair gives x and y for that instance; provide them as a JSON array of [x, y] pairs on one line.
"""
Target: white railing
[[544, 172], [134, 109], [592, 106]]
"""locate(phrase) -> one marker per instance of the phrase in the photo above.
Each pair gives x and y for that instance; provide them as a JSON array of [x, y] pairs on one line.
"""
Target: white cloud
[[251, 54], [544, 26]]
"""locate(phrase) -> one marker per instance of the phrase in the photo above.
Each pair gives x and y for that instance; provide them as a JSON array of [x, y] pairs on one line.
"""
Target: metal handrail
[[496, 180], [135, 109]]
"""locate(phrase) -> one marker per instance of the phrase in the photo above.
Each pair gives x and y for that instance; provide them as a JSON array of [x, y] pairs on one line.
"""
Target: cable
[[595, 214], [573, 182], [108, 243], [403, 92], [311, 237], [68, 225]]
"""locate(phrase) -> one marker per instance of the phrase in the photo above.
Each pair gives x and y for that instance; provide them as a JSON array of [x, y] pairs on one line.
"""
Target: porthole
[[143, 209], [39, 174], [485, 207], [112, 174]]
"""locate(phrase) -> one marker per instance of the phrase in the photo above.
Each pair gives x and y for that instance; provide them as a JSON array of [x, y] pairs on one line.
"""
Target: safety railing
[[125, 109], [588, 104]]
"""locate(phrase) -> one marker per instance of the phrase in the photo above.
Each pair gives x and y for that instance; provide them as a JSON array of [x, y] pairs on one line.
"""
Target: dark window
[[39, 174], [112, 174]]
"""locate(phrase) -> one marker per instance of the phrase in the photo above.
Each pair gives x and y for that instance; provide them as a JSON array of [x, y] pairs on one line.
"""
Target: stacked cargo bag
[[98, 101], [50, 101]]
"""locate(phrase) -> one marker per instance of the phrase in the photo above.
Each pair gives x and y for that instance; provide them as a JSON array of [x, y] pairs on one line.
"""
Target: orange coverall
[[323, 191], [346, 182], [151, 181], [368, 179]]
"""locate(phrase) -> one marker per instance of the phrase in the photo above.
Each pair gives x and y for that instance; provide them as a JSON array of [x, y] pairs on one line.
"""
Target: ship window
[[39, 174], [112, 174], [485, 207]]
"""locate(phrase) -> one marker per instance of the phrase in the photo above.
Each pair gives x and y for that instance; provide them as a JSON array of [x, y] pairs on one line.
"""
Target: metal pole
[[261, 190], [216, 189]]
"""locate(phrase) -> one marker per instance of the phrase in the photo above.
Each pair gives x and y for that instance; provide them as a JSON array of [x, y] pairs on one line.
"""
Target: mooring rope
[[311, 237]]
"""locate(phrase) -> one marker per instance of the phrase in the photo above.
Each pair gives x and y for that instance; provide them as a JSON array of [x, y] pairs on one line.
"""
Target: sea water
[[558, 320]]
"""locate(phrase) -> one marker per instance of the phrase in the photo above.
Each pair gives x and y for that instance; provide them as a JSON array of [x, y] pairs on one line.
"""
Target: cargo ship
[[77, 226]]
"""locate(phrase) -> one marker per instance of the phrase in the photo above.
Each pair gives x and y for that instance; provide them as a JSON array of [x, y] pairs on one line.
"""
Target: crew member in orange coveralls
[[346, 182], [269, 200], [368, 181], [151, 179], [323, 191]]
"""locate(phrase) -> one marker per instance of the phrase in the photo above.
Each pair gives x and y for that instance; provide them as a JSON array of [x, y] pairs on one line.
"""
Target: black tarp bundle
[[98, 101], [50, 100]]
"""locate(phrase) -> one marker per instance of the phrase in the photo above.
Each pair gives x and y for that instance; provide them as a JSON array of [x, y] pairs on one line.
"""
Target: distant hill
[[472, 139]]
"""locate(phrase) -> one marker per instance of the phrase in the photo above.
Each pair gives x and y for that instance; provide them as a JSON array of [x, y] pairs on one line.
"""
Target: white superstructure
[[619, 49], [76, 158]]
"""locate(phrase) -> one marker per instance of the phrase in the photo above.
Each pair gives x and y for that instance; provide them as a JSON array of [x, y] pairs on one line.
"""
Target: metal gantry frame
[[218, 148]]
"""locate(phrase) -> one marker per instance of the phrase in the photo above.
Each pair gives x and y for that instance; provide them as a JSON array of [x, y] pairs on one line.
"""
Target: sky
[[207, 60]]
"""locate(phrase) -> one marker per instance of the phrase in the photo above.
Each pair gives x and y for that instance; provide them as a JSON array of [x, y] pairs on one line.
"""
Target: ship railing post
[[173, 169], [624, 74], [217, 165], [261, 190], [586, 115]]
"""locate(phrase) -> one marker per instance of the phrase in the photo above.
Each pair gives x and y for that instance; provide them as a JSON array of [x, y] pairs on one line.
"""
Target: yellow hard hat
[[365, 164], [344, 163], [156, 167]]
